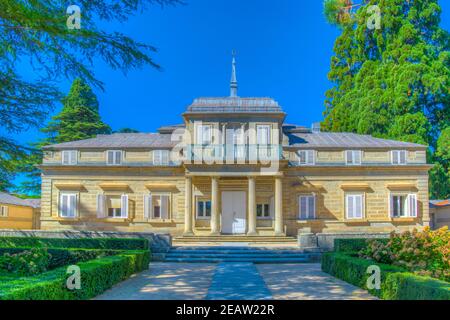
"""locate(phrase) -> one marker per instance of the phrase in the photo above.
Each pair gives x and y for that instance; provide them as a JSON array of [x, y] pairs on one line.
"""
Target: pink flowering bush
[[425, 253]]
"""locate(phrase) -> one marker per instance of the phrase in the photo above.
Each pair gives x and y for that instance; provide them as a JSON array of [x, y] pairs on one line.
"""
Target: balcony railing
[[230, 154]]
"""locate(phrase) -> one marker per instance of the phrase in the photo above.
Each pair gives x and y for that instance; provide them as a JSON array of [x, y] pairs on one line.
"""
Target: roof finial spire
[[234, 84]]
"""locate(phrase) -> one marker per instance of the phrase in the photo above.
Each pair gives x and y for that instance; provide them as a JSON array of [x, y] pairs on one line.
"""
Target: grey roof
[[345, 140], [35, 203], [120, 141], [234, 105], [298, 138], [6, 198], [439, 203]]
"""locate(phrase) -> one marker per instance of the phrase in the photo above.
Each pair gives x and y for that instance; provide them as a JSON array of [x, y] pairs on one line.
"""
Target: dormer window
[[353, 157], [306, 157], [398, 156], [161, 157], [114, 157], [69, 157]]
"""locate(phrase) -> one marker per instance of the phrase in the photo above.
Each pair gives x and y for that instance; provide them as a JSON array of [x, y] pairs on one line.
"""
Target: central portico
[[233, 205], [233, 176]]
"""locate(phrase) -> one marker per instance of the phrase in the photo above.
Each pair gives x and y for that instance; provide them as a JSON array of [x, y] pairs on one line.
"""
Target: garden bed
[[100, 267], [414, 265], [396, 283]]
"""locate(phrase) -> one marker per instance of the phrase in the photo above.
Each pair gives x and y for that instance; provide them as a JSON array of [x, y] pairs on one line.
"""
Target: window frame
[[307, 152], [200, 134], [60, 209], [406, 205], [197, 213], [353, 163], [161, 151], [114, 157], [259, 127], [314, 212], [151, 209], [267, 215], [363, 205], [72, 159], [399, 157], [4, 211]]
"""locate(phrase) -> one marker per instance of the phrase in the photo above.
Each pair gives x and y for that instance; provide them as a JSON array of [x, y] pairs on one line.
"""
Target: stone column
[[188, 208], [251, 207], [279, 207], [215, 218]]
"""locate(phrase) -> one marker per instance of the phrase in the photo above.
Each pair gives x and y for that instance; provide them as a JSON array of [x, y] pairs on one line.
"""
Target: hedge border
[[96, 276], [79, 243], [354, 245], [396, 283], [66, 256]]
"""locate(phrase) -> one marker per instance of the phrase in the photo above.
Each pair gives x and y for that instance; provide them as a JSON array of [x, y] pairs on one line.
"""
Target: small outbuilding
[[17, 213], [439, 213]]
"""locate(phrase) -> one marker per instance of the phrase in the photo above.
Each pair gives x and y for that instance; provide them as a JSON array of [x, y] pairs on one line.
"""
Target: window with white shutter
[[114, 157], [101, 206], [161, 157], [353, 157], [3, 211], [69, 157], [306, 157], [68, 205], [124, 206], [398, 156], [403, 205], [147, 206], [307, 207], [412, 205], [354, 206], [159, 206]]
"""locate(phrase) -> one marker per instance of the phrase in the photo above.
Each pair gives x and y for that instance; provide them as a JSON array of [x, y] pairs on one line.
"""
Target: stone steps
[[239, 254], [243, 239]]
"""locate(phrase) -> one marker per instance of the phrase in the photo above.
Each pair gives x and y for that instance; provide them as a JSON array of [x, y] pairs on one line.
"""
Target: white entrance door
[[234, 212]]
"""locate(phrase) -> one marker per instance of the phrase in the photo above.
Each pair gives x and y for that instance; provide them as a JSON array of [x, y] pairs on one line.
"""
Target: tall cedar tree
[[79, 119], [394, 82], [36, 32]]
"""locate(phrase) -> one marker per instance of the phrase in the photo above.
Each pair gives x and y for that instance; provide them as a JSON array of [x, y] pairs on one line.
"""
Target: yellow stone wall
[[20, 217], [327, 184]]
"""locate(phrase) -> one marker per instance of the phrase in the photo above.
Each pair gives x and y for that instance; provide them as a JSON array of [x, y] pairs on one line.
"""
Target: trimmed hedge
[[408, 286], [96, 276], [62, 257], [353, 245], [396, 284], [81, 243]]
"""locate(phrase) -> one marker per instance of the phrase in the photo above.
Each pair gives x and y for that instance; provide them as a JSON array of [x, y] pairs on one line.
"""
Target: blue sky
[[283, 51]]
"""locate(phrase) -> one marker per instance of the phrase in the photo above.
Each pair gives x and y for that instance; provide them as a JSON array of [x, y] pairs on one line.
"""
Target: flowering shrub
[[425, 253], [26, 263]]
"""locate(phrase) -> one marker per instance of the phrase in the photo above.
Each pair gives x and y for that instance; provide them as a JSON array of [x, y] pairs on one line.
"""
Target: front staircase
[[218, 254]]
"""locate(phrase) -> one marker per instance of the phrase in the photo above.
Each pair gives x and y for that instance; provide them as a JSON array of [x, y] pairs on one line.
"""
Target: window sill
[[113, 220], [403, 219], [265, 218], [362, 220], [203, 218], [67, 219], [159, 220], [308, 220]]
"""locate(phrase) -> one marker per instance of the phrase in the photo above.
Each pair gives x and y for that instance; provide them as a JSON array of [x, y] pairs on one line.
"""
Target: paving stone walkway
[[239, 281]]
